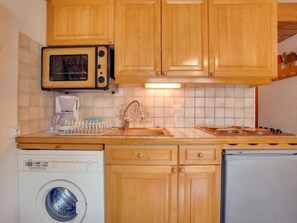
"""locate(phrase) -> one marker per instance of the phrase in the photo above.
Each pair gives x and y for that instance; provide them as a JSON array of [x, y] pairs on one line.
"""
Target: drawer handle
[[139, 155], [173, 170], [200, 155], [57, 147], [181, 169]]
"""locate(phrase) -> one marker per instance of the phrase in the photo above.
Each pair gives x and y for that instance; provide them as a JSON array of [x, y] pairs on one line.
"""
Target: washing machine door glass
[[60, 204], [61, 201]]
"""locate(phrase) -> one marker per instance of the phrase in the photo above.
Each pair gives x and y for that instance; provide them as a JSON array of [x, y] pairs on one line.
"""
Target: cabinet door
[[145, 194], [199, 194], [243, 38], [80, 22], [184, 38], [137, 39]]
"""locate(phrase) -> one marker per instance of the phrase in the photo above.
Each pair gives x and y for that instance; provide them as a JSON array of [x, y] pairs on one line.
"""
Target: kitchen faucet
[[126, 121]]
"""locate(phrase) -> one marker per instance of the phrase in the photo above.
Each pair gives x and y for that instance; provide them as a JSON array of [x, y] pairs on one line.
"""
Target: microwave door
[[68, 68]]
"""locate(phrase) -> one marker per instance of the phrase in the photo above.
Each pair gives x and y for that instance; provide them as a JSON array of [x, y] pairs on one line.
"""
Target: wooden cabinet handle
[[164, 73], [57, 147], [200, 155], [211, 74], [181, 169], [158, 73], [173, 170], [139, 155]]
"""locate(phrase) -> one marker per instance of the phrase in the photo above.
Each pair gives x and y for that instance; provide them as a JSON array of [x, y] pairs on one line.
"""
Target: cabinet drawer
[[139, 154], [200, 154]]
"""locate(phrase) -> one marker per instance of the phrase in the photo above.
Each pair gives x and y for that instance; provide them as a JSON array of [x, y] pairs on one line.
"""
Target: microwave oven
[[79, 67]]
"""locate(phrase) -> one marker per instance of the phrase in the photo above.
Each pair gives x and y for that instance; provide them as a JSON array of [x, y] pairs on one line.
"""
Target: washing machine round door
[[61, 201]]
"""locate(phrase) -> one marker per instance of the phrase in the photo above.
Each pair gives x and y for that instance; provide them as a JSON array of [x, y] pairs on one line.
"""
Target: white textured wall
[[278, 101], [288, 45], [27, 16]]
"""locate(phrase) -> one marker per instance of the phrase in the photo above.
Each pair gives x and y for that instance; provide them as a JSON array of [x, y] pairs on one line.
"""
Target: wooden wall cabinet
[[80, 22], [184, 38], [141, 31], [243, 38], [209, 41], [144, 187], [137, 38]]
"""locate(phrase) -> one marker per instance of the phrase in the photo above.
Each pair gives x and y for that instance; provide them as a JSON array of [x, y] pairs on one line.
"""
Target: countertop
[[181, 136]]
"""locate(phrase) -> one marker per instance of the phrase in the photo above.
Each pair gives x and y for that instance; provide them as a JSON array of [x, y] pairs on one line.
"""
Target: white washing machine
[[61, 186]]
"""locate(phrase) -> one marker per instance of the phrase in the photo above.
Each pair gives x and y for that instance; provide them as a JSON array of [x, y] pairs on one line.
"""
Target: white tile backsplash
[[35, 107], [198, 105], [220, 91], [199, 112], [209, 92], [219, 102], [229, 102], [229, 92], [189, 102], [209, 102], [239, 92], [200, 102]]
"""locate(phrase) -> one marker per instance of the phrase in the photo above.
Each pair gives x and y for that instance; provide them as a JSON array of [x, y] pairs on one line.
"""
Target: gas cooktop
[[242, 131]]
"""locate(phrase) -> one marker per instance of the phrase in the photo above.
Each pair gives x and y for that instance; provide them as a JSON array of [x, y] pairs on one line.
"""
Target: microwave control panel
[[102, 63]]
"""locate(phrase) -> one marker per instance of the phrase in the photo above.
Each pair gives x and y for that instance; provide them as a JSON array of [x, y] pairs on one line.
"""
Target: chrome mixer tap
[[126, 121]]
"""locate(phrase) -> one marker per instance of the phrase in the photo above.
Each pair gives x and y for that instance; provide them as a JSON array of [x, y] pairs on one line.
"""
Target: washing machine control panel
[[31, 163]]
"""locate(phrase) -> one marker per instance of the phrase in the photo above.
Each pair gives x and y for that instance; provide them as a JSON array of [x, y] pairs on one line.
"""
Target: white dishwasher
[[259, 186], [61, 186]]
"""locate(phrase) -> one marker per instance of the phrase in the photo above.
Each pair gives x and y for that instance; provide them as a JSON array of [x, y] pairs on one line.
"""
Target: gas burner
[[241, 131]]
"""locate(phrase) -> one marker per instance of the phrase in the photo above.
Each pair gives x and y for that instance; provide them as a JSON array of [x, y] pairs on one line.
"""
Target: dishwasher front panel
[[259, 187]]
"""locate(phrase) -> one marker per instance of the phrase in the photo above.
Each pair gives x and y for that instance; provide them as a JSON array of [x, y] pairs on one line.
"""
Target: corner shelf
[[286, 70]]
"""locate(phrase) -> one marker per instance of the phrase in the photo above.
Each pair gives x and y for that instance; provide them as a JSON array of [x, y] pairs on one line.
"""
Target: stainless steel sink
[[139, 132]]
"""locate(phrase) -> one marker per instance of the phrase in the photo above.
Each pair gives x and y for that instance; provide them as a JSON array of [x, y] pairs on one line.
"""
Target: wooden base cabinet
[[145, 194], [138, 190]]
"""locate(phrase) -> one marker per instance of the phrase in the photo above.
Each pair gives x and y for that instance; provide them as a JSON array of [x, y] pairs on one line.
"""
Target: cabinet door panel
[[184, 37], [137, 194], [137, 38], [80, 22], [199, 194], [243, 38]]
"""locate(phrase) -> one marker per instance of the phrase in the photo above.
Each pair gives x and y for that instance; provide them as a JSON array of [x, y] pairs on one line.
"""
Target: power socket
[[178, 113]]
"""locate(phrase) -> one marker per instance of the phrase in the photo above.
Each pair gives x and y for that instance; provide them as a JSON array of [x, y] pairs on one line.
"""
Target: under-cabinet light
[[163, 85]]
